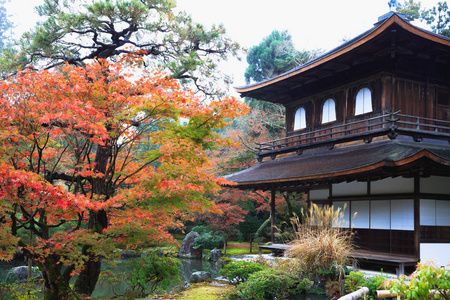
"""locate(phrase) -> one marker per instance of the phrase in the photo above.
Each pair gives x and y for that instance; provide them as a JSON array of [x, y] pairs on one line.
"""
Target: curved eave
[[353, 163], [354, 172], [346, 48]]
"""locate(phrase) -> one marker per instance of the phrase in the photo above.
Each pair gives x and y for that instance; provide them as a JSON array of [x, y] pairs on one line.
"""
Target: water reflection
[[106, 289], [189, 266]]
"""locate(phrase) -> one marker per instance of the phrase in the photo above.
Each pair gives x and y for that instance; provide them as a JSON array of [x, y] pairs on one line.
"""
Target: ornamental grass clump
[[323, 242]]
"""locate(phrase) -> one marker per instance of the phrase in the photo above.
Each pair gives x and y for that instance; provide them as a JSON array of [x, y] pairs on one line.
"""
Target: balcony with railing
[[391, 124]]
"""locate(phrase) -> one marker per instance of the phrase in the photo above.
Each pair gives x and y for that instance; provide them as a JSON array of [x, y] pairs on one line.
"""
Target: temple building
[[368, 127]]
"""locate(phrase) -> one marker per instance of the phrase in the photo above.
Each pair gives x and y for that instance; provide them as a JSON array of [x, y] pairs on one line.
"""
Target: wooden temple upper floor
[[390, 124], [391, 80], [379, 105]]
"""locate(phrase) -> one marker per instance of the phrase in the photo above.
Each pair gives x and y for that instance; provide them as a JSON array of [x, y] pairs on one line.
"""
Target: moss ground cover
[[206, 291]]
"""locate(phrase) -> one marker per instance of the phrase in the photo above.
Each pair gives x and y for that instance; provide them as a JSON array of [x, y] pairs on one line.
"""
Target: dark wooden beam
[[417, 215], [272, 216]]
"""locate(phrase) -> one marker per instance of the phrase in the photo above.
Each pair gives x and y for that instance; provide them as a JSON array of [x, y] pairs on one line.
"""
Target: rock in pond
[[215, 255], [186, 250], [200, 276]]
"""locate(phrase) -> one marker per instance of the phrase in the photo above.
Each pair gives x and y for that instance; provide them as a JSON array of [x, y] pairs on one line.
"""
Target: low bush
[[239, 271], [273, 283], [151, 272], [427, 282], [356, 280], [208, 238], [20, 291]]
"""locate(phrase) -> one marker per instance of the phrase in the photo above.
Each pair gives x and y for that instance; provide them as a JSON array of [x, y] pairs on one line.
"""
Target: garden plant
[[427, 282], [322, 242]]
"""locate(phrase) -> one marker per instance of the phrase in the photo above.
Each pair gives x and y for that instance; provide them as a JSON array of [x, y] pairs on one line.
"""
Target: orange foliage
[[78, 141]]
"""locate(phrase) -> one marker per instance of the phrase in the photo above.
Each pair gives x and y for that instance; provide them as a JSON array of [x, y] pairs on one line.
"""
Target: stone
[[186, 250], [20, 274], [200, 276], [215, 255], [130, 254], [219, 264]]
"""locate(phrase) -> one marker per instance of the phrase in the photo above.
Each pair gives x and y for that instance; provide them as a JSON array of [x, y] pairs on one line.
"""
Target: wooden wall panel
[[435, 234], [402, 242], [387, 241], [410, 98]]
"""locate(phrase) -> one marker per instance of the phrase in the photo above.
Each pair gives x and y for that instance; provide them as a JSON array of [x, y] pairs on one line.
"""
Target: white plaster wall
[[392, 186], [319, 194], [435, 184], [438, 253], [349, 188]]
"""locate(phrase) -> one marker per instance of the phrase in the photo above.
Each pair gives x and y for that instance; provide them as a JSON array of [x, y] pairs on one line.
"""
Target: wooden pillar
[[417, 215], [272, 216]]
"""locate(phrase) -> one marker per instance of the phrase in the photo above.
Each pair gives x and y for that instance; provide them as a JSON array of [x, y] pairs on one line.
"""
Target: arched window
[[300, 119], [363, 103], [329, 111]]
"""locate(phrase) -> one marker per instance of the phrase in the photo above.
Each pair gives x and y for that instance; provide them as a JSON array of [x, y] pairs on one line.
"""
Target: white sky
[[313, 24]]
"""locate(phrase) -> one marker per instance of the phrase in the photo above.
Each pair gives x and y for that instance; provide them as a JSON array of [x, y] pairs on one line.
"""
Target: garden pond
[[107, 289]]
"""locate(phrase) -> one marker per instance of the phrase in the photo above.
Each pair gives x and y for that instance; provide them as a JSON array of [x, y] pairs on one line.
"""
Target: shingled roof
[[391, 36], [383, 158]]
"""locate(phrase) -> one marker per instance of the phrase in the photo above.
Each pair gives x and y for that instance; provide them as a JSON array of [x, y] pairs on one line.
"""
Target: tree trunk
[[88, 278], [288, 215], [56, 285], [263, 225], [85, 283]]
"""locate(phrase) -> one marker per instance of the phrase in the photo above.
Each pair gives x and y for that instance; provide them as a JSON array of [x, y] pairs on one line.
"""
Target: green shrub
[[355, 280], [20, 291], [208, 239], [151, 272], [273, 283], [423, 282], [239, 271]]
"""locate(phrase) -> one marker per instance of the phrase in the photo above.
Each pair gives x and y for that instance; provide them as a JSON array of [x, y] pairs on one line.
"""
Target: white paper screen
[[442, 213], [402, 214], [361, 219], [380, 217], [343, 205], [427, 212]]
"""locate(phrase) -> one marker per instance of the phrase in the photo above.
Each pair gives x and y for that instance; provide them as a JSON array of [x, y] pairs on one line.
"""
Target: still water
[[105, 289]]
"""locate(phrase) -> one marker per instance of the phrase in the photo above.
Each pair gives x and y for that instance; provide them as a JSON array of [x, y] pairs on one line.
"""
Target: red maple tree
[[91, 157]]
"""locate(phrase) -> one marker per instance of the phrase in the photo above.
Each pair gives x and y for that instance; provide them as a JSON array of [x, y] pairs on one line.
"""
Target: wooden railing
[[390, 124]]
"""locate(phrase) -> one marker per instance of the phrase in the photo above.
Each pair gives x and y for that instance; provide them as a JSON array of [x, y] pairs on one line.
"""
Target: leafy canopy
[[438, 17], [275, 55], [81, 30], [5, 24], [91, 158]]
